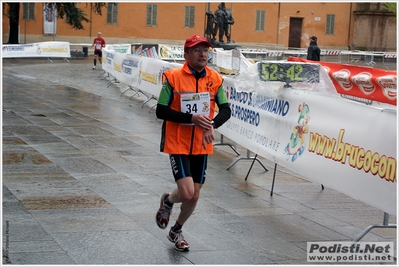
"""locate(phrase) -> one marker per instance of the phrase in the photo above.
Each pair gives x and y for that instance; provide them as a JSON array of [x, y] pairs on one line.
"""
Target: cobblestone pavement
[[82, 177]]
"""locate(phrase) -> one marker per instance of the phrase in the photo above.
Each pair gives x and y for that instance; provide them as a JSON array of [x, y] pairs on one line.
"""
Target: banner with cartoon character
[[361, 81], [291, 113], [42, 49], [310, 129]]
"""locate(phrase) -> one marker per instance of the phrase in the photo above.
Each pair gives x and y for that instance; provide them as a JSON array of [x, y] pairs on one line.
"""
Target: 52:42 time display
[[289, 72]]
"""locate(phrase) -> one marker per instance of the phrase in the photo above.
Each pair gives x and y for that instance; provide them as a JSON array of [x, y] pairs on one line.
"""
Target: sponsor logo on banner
[[171, 52], [296, 145], [366, 82], [363, 81], [342, 78], [38, 49], [388, 85], [353, 155], [350, 252]]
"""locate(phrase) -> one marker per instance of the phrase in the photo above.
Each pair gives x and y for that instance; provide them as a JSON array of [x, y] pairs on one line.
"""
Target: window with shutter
[[189, 17], [330, 24], [112, 13], [152, 12], [28, 11], [260, 20]]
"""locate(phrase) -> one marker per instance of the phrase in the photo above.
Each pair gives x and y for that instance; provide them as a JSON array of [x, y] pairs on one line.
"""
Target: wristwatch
[[213, 124]]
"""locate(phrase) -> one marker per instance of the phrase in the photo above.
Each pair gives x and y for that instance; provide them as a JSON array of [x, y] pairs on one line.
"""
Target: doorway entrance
[[294, 40]]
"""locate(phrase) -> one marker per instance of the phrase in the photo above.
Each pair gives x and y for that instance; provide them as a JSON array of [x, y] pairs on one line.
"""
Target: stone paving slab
[[82, 178]]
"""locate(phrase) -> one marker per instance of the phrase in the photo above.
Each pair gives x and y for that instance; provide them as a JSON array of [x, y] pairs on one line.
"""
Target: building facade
[[338, 25]]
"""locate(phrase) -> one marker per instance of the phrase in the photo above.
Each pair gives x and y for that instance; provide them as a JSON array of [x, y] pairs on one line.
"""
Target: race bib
[[195, 103]]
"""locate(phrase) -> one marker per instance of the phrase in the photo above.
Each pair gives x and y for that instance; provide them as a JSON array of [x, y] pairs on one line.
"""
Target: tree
[[75, 16], [14, 18], [391, 7]]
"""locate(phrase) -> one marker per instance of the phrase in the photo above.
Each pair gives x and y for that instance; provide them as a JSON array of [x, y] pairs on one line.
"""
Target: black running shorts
[[189, 166], [99, 53]]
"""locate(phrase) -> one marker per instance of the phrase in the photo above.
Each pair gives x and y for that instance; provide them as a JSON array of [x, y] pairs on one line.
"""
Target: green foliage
[[391, 7], [74, 14]]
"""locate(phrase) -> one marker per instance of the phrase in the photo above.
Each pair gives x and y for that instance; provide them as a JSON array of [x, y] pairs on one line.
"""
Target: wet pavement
[[83, 175]]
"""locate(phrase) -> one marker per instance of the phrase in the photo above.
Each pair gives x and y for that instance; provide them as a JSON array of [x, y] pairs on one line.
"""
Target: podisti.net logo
[[350, 252]]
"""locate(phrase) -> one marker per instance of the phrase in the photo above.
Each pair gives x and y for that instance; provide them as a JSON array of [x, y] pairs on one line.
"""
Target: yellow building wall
[[131, 26]]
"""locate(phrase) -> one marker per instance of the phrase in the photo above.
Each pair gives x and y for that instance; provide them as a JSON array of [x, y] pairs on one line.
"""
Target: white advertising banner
[[117, 61], [150, 75], [108, 59], [131, 70], [291, 114], [42, 49], [224, 58], [121, 48], [345, 145], [50, 19], [171, 52], [143, 73]]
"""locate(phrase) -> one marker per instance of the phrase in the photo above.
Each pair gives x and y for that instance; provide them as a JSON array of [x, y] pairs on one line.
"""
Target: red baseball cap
[[196, 39]]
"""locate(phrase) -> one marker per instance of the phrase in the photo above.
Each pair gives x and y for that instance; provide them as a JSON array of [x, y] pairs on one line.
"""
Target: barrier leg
[[248, 157], [383, 225], [114, 80], [274, 177], [250, 168], [149, 98], [103, 73], [127, 89], [221, 143], [153, 106], [136, 92]]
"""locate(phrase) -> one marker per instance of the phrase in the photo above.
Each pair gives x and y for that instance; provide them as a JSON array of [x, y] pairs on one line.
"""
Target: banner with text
[[171, 52], [42, 49], [340, 143], [121, 48], [361, 81], [143, 73], [291, 114]]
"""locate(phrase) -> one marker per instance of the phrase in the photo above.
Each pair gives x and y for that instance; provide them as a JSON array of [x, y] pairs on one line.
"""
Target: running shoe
[[180, 242], [163, 214], [94, 67]]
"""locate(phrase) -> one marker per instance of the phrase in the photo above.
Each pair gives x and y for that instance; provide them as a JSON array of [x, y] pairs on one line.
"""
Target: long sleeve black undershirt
[[166, 113]]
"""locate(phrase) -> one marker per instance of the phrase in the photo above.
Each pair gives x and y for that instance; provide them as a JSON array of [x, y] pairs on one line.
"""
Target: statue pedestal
[[225, 46]]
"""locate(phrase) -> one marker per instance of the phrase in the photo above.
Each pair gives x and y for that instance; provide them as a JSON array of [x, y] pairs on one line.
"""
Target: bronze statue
[[227, 21], [210, 30], [222, 20]]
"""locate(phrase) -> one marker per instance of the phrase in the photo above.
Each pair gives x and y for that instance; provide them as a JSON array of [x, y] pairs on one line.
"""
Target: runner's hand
[[208, 137], [202, 121]]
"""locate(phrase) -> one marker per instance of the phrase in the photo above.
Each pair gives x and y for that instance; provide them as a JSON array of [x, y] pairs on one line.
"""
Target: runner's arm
[[163, 110], [224, 112], [166, 113], [222, 116]]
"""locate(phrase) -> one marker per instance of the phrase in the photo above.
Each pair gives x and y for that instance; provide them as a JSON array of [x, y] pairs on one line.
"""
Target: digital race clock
[[289, 72]]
